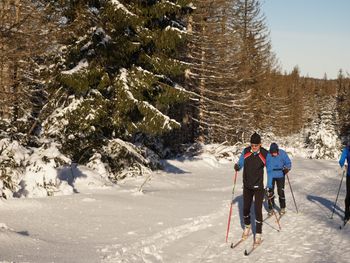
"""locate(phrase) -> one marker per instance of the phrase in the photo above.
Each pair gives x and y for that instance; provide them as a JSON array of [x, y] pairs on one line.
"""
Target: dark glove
[[236, 167], [285, 170]]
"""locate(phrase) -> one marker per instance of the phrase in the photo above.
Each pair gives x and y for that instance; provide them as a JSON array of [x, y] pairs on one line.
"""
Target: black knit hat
[[255, 138]]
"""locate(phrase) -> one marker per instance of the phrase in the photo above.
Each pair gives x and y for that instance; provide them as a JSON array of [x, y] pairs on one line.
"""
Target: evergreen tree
[[211, 53], [25, 40], [343, 105], [120, 75], [323, 135], [231, 60], [255, 59]]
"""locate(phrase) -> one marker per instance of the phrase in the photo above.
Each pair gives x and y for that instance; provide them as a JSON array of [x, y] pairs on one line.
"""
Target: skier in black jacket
[[253, 160]]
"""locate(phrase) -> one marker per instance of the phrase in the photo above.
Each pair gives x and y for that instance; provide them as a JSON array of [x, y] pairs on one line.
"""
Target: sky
[[311, 34]]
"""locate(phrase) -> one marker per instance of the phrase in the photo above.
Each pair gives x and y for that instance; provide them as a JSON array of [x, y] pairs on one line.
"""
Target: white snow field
[[181, 216]]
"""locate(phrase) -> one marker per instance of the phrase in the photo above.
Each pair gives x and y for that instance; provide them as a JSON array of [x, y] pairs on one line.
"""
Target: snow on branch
[[150, 112], [118, 5], [81, 65]]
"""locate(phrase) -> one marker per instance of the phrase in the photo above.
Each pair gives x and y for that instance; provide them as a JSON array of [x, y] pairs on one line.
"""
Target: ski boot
[[258, 239], [283, 211], [246, 231]]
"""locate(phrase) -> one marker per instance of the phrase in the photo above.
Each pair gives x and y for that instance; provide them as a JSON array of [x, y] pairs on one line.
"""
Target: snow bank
[[43, 171]]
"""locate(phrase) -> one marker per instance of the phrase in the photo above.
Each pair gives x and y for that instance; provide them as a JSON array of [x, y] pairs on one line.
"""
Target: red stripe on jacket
[[247, 155], [263, 159]]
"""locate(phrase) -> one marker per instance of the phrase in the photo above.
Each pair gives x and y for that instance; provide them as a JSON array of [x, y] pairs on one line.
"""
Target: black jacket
[[253, 168]]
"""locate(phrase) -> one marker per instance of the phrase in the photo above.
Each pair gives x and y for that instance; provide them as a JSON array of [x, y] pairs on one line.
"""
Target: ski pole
[[229, 216], [290, 186], [335, 203]]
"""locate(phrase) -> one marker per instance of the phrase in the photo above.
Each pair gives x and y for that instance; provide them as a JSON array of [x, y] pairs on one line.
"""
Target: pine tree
[[323, 136], [255, 59], [25, 37], [120, 73], [230, 61], [211, 76], [343, 105]]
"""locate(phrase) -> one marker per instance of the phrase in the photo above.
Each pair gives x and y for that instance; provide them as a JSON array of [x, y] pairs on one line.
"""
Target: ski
[[281, 215], [267, 217], [237, 243], [248, 252], [234, 245]]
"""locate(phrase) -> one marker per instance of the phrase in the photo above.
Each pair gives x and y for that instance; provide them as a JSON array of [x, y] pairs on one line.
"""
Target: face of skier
[[274, 154], [255, 147]]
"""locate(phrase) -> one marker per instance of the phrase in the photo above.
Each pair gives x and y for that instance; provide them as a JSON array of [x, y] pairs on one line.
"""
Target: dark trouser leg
[[247, 202], [347, 198], [271, 202], [280, 189], [258, 201]]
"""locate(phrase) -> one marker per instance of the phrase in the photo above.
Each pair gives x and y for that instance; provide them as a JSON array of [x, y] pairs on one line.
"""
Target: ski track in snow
[[307, 236], [194, 199], [150, 248]]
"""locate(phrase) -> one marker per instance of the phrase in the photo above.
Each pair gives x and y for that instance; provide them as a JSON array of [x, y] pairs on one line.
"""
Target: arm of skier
[[287, 164], [241, 161], [343, 157]]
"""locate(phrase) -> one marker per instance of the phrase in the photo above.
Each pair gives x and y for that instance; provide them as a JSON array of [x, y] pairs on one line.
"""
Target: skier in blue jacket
[[346, 156], [278, 165]]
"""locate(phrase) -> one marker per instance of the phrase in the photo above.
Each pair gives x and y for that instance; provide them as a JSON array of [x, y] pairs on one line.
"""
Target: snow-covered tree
[[23, 25], [343, 105], [119, 75], [231, 58], [323, 137]]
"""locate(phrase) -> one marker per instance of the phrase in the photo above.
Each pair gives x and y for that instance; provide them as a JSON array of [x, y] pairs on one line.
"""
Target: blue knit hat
[[273, 148]]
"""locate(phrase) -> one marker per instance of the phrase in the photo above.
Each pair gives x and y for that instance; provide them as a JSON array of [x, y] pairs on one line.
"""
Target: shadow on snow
[[326, 206], [70, 174]]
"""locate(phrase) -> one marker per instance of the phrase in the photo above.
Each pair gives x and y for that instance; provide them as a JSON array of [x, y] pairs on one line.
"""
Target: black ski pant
[[258, 195], [280, 182], [347, 198]]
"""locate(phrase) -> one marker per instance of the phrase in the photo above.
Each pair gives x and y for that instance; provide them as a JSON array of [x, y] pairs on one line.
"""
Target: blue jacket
[[345, 155], [275, 165]]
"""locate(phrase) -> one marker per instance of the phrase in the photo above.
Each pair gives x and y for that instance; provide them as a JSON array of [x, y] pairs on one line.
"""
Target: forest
[[124, 84]]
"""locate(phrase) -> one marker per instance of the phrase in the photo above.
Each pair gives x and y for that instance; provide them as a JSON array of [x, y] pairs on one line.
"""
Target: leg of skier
[[281, 195], [258, 202], [247, 202], [271, 203], [347, 199]]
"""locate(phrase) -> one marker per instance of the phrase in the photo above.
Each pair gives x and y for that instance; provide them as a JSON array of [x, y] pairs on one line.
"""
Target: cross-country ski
[[247, 252], [234, 245]]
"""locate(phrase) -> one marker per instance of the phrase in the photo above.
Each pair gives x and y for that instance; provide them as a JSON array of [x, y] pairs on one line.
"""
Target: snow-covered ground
[[181, 216]]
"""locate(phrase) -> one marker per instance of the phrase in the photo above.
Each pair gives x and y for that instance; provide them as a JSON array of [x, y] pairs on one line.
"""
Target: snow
[[56, 121], [180, 216], [119, 5], [81, 65], [63, 21], [167, 122]]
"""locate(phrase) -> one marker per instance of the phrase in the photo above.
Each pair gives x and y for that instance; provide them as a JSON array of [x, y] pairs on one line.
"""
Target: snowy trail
[[180, 217]]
